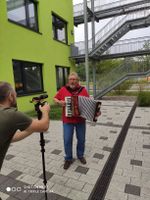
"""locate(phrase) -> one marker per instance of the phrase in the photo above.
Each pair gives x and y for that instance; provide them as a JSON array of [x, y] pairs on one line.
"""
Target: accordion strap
[[76, 91]]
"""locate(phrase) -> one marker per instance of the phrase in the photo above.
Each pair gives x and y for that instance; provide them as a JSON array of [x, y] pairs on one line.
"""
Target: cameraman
[[15, 125]]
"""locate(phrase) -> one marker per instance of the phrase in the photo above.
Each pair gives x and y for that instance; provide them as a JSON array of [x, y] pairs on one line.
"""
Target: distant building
[[35, 38]]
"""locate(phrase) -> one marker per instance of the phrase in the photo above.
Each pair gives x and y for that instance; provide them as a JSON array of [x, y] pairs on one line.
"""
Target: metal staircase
[[107, 10], [112, 32], [105, 83], [127, 15]]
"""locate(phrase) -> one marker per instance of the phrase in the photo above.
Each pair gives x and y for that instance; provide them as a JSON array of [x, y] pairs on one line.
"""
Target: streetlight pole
[[86, 45]]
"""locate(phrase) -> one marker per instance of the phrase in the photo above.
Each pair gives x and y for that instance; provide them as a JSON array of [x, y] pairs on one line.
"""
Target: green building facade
[[35, 39]]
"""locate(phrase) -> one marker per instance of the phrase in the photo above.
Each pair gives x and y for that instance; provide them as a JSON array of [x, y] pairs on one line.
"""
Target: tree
[[80, 69], [105, 66], [102, 67], [145, 60]]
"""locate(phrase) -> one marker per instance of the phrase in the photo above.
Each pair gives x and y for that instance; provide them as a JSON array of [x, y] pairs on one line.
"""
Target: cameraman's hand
[[45, 108]]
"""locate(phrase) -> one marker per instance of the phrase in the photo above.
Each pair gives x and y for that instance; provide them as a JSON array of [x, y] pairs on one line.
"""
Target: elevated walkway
[[107, 10]]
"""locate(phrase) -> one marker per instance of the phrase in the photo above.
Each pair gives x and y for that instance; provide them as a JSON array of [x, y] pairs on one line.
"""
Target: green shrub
[[144, 99], [120, 89], [55, 113]]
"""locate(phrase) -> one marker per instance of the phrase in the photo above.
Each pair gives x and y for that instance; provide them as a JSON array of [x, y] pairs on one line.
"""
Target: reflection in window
[[59, 29], [18, 78], [16, 12], [32, 16], [61, 76], [23, 12], [28, 77]]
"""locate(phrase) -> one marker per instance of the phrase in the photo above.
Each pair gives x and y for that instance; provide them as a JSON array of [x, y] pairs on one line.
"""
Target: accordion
[[80, 106]]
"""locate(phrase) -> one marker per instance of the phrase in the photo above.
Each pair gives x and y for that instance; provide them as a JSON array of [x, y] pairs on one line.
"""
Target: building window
[[59, 29], [62, 76], [23, 12], [28, 77]]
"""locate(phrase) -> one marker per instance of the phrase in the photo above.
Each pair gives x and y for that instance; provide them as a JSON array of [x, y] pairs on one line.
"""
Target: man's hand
[[62, 103], [98, 113], [45, 108]]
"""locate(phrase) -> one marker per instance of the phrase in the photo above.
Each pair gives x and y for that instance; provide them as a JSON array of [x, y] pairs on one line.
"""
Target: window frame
[[54, 28], [27, 17], [64, 80], [23, 65]]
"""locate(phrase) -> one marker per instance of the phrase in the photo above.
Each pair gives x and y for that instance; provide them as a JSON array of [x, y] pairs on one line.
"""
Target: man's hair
[[5, 90], [74, 74]]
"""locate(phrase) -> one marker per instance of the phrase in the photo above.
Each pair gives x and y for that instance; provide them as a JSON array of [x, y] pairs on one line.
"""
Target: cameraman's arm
[[42, 124], [35, 126], [20, 135]]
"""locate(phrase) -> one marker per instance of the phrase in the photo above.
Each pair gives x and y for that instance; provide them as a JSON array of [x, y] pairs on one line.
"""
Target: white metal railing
[[101, 5], [128, 45], [106, 80], [111, 27]]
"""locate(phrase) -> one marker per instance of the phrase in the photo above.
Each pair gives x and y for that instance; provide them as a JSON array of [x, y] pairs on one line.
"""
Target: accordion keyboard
[[68, 108]]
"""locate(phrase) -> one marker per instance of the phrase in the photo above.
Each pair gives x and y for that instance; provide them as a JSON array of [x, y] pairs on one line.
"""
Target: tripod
[[42, 141]]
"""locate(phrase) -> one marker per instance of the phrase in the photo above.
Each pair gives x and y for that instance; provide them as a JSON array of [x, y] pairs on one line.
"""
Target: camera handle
[[42, 144]]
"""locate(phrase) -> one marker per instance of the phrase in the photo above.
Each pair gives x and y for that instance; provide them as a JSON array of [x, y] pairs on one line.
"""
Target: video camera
[[39, 98], [39, 101]]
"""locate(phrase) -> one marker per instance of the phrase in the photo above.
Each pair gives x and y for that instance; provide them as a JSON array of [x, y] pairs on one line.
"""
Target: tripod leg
[[42, 143]]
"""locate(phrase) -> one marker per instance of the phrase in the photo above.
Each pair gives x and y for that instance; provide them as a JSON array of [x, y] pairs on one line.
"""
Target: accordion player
[[80, 106]]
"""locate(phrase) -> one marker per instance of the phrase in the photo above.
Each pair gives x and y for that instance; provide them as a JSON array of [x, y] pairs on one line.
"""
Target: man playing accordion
[[72, 89]]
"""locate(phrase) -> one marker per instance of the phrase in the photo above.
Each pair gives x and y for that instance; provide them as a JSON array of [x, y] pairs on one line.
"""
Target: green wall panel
[[19, 43]]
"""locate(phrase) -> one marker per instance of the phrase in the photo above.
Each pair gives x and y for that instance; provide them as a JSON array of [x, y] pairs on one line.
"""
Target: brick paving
[[21, 175]]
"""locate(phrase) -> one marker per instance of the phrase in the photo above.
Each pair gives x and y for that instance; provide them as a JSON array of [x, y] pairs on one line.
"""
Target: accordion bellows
[[82, 106]]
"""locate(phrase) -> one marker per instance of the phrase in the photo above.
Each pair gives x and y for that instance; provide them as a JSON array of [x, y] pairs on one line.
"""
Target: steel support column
[[86, 45], [93, 46]]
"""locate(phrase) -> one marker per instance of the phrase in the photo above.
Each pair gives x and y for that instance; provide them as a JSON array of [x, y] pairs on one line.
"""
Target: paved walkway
[[21, 175]]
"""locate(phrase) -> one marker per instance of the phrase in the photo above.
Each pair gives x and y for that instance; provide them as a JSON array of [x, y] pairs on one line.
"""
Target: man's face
[[72, 81]]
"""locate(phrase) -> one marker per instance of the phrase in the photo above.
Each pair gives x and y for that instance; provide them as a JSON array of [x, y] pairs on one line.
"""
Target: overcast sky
[[79, 31]]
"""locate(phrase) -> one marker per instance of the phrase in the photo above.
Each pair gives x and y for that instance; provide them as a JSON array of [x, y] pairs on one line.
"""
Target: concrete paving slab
[[132, 169]]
